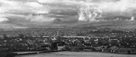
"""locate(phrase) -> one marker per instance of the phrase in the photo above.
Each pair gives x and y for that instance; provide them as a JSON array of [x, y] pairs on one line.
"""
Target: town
[[72, 39]]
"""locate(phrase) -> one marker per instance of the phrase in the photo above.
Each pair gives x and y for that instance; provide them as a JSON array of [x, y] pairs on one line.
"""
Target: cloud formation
[[9, 7], [89, 10], [22, 7], [104, 5], [122, 5]]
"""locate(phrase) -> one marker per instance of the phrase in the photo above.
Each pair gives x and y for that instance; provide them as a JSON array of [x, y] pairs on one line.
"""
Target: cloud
[[105, 5], [41, 18], [92, 10], [3, 19], [38, 8], [25, 0], [121, 6], [50, 1], [9, 7]]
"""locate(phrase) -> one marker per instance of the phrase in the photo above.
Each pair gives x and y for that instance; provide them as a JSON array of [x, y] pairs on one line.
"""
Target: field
[[77, 54]]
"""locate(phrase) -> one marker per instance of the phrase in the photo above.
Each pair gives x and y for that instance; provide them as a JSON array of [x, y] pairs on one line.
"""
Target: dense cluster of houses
[[84, 43]]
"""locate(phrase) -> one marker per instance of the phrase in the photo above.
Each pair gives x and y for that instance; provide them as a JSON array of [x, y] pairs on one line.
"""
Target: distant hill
[[20, 23]]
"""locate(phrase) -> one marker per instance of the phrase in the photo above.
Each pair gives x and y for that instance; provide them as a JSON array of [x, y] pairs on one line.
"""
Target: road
[[77, 54]]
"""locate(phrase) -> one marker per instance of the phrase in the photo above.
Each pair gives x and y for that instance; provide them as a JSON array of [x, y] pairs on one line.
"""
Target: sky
[[48, 10]]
